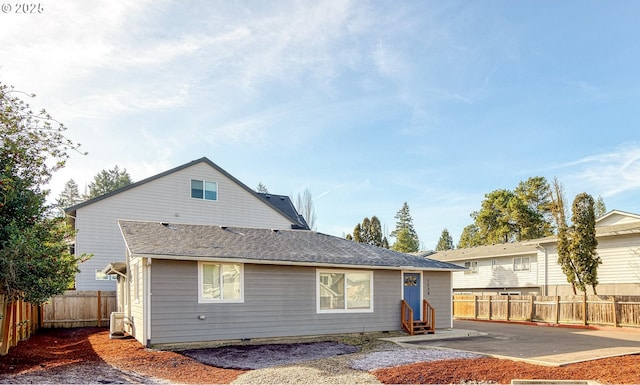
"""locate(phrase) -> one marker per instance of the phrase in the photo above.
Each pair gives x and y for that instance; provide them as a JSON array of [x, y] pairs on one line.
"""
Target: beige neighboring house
[[531, 267]]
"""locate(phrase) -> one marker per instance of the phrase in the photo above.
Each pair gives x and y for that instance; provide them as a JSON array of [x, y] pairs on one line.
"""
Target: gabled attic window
[[202, 189]]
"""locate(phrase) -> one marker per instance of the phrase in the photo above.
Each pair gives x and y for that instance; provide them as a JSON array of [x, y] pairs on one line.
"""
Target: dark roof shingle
[[263, 245]]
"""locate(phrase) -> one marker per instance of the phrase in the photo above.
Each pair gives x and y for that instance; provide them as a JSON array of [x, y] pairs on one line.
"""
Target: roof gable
[[290, 214], [617, 217], [182, 241]]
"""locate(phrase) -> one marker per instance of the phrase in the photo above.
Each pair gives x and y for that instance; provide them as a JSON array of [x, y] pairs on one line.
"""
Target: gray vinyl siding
[[278, 301], [437, 290], [166, 199]]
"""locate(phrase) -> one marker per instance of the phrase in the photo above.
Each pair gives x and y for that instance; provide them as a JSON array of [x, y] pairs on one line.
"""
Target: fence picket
[[587, 310]]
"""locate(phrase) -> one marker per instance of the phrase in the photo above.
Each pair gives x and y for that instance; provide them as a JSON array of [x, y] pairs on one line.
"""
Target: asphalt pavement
[[545, 345]]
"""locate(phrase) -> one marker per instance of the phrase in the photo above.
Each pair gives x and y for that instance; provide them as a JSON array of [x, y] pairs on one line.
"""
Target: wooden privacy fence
[[578, 309], [79, 309], [18, 320]]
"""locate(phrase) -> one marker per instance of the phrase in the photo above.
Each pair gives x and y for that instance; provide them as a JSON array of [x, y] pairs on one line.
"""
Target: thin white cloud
[[608, 173]]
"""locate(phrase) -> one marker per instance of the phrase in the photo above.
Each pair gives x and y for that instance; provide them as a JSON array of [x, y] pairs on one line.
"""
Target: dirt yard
[[88, 355]]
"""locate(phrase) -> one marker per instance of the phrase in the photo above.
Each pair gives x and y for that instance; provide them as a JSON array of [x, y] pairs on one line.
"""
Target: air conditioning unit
[[116, 325]]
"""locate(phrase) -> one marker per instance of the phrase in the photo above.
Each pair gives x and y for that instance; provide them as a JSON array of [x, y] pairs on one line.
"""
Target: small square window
[[220, 282], [202, 189]]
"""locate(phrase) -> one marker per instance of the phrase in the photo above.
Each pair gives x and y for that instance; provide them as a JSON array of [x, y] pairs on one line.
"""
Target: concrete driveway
[[545, 345]]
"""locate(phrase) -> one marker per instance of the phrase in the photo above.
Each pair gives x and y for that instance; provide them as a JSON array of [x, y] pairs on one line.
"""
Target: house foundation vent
[[116, 325]]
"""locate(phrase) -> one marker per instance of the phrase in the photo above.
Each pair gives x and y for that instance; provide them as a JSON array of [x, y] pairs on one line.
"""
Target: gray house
[[185, 283], [198, 192]]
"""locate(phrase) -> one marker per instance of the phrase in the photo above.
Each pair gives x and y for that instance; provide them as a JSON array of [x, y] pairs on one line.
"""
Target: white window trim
[[204, 191], [528, 264], [100, 274], [471, 269], [201, 299], [345, 310]]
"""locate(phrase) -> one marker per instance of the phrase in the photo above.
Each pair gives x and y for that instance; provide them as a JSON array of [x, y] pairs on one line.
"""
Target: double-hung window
[[472, 267], [345, 291], [521, 264], [220, 282], [202, 189]]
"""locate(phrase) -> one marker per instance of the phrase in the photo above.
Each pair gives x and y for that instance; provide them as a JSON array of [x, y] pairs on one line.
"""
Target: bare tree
[[304, 205]]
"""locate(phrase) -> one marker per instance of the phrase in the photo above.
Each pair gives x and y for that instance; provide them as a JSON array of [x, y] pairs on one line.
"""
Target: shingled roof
[[299, 247]]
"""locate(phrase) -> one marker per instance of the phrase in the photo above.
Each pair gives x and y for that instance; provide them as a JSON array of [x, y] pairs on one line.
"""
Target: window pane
[[211, 281], [331, 291], [196, 189], [231, 281], [358, 291], [211, 191], [100, 276]]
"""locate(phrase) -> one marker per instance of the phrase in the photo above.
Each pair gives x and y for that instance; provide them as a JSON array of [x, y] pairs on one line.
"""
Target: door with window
[[412, 292]]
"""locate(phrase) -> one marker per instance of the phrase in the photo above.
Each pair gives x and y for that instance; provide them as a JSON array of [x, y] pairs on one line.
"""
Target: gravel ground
[[350, 368]]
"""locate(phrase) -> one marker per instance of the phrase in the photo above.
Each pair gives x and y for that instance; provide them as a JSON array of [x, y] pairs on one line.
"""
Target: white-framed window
[[494, 264], [510, 293], [472, 267], [100, 276], [521, 264], [342, 291], [202, 189], [220, 282]]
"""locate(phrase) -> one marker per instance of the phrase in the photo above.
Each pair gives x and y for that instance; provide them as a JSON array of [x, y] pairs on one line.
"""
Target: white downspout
[[545, 269]]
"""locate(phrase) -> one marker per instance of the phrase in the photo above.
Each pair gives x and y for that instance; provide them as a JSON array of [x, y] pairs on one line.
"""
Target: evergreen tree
[[107, 181], [562, 247], [357, 233], [35, 262], [445, 242], [470, 237], [600, 208], [534, 218], [406, 237], [369, 232], [375, 232], [583, 243], [512, 216], [69, 196]]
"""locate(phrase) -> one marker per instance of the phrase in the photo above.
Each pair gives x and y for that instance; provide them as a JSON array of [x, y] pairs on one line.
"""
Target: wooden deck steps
[[422, 327]]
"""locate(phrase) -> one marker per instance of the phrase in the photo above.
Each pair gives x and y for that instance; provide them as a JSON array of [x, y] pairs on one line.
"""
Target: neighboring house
[[184, 283], [531, 267], [196, 192]]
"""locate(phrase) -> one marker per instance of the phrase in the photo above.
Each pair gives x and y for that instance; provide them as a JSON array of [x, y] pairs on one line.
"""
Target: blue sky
[[368, 104]]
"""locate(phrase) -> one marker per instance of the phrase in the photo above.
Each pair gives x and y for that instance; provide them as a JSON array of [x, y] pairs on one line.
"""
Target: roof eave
[[286, 263]]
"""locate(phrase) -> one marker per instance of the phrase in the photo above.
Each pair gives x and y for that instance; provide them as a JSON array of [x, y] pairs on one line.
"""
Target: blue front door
[[412, 288]]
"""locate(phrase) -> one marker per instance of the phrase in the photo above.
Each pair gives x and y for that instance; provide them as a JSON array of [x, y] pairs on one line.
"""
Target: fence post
[[614, 309], [99, 310], [490, 307], [6, 327], [475, 307], [584, 309], [531, 304], [557, 309], [508, 307]]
